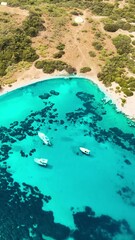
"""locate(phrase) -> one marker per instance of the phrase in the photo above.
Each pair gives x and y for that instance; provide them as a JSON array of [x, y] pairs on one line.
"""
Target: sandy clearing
[[79, 20], [14, 10]]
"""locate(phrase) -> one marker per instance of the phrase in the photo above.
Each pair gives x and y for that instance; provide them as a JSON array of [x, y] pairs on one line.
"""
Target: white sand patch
[[79, 20]]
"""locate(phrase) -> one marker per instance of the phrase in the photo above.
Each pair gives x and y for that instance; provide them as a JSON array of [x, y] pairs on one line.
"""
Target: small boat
[[44, 138], [41, 161], [85, 150]]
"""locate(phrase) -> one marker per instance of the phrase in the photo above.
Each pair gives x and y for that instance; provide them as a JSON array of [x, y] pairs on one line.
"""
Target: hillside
[[94, 38]]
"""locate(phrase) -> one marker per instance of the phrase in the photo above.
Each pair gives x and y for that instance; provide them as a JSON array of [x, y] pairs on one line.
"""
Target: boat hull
[[41, 161], [85, 150], [44, 138]]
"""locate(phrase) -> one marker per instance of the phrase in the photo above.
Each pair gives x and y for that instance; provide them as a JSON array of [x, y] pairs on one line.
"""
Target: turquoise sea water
[[77, 196]]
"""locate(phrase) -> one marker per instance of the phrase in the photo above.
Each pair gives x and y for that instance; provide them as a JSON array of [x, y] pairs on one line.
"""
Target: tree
[[122, 43], [111, 27], [15, 47], [33, 24]]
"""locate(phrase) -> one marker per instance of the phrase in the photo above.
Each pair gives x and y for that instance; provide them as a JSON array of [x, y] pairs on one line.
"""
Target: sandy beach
[[32, 76]]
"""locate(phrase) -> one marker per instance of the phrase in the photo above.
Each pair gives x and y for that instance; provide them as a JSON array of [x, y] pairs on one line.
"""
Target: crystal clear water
[[76, 196]]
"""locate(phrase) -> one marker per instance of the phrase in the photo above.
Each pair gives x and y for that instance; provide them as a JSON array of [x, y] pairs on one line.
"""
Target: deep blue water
[[77, 196]]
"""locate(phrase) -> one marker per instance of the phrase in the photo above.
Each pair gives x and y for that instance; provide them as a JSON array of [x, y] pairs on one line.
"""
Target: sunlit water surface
[[76, 196]]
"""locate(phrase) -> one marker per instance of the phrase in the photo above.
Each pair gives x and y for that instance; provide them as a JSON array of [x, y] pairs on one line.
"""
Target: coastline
[[32, 75], [128, 109]]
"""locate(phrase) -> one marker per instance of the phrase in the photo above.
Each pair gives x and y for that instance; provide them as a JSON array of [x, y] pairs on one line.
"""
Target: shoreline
[[128, 109]]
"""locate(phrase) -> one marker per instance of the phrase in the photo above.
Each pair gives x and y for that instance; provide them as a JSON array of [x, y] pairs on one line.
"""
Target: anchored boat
[[44, 138], [41, 161], [85, 150]]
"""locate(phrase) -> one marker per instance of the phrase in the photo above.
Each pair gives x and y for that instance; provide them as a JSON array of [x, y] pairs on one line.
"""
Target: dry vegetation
[[87, 44], [59, 29]]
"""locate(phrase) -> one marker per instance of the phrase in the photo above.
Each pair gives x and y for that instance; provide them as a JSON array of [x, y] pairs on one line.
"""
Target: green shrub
[[113, 71], [33, 24], [2, 69], [118, 79], [10, 81], [111, 27], [49, 66], [90, 20], [39, 64], [126, 26], [123, 100], [58, 54], [85, 69], [29, 55], [98, 34], [61, 46], [131, 65], [101, 8], [15, 47], [76, 12], [120, 23], [127, 92], [132, 89], [122, 43], [32, 32], [97, 45], [131, 84], [70, 70], [92, 54], [74, 24]]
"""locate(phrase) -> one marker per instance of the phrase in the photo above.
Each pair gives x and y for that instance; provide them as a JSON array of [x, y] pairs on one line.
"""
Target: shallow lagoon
[[76, 196]]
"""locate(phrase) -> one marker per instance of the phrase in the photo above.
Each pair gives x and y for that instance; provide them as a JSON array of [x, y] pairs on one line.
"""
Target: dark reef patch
[[45, 96], [127, 162], [120, 175], [128, 195], [53, 92], [95, 113], [89, 226], [4, 152], [22, 210]]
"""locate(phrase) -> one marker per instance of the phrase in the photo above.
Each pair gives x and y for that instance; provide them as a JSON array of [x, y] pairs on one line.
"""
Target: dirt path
[[79, 29]]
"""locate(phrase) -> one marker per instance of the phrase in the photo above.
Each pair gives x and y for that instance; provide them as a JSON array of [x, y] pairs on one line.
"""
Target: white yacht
[[85, 150], [41, 161], [44, 138]]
